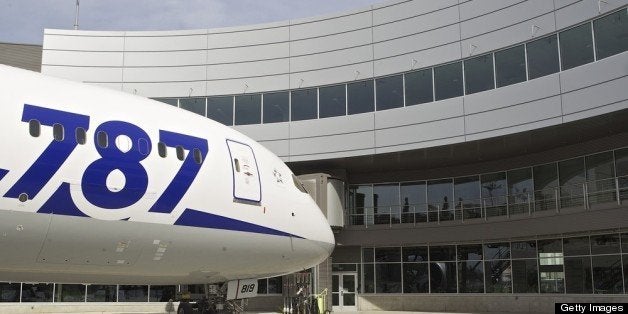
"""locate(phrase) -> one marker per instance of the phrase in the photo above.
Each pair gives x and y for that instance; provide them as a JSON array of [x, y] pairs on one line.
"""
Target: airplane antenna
[[77, 16]]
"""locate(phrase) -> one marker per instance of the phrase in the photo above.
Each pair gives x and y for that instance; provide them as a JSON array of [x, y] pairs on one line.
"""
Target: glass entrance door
[[344, 288]]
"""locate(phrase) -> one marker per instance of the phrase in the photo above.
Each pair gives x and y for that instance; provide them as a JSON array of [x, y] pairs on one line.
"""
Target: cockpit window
[[298, 184]]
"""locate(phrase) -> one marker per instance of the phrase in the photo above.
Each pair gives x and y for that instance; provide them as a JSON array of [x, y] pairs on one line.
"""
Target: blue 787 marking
[[128, 162]]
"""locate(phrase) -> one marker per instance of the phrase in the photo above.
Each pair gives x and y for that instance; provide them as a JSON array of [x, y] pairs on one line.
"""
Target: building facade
[[483, 144]]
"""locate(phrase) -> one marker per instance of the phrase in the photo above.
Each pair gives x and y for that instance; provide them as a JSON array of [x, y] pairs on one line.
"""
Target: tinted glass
[[578, 275], [276, 107], [440, 194], [525, 276], [360, 196], [510, 66], [448, 80], [471, 277], [58, 132], [467, 192], [389, 92], [542, 57], [607, 274], [387, 254], [415, 254], [38, 292], [478, 74], [34, 128], [169, 101], [332, 101], [520, 183], [274, 285], [498, 277], [413, 195], [571, 172], [196, 105], [9, 292], [443, 277], [69, 293], [128, 293], [611, 34], [369, 278], [303, 104], [576, 246], [102, 139], [600, 166], [248, 109], [388, 278], [493, 185], [162, 293], [101, 293], [497, 250], [360, 97], [81, 135], [524, 249], [368, 255], [605, 244], [220, 109], [419, 87], [545, 176], [385, 194], [443, 253], [415, 278], [469, 252], [576, 46]]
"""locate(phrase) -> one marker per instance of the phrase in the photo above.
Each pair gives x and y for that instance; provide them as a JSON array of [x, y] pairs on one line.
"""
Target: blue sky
[[23, 21]]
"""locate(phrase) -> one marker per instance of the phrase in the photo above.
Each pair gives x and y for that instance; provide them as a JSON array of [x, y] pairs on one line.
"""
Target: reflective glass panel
[[551, 273], [611, 33], [389, 92], [332, 101], [69, 293], [576, 46], [220, 109], [439, 194], [37, 292], [276, 107], [471, 277], [419, 87], [248, 109], [467, 193], [360, 204], [274, 285], [520, 190], [413, 200], [545, 181], [132, 293], [621, 167], [605, 244], [262, 286], [415, 278], [576, 246], [387, 254], [525, 276], [9, 292], [169, 101], [498, 276], [360, 97], [523, 249], [578, 275], [571, 172], [101, 293], [443, 253], [478, 74], [494, 190], [510, 66], [388, 278], [448, 80], [415, 254], [368, 255], [542, 57], [369, 278], [194, 104], [162, 293], [624, 243], [469, 252], [386, 199], [607, 276], [443, 277], [600, 166], [497, 250], [303, 104]]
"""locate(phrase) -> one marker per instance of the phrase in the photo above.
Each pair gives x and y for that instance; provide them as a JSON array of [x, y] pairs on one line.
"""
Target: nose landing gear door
[[246, 181]]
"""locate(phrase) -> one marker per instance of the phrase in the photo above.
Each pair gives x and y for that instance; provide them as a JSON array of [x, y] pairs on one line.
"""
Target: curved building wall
[[391, 38]]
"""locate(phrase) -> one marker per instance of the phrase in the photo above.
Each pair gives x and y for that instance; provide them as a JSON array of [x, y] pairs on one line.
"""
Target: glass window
[[262, 286], [37, 292], [388, 278], [220, 109], [576, 246], [443, 253], [551, 271], [169, 101], [69, 293], [161, 150], [101, 293], [611, 33], [368, 255], [419, 87], [448, 80], [369, 278], [361, 204], [128, 293], [387, 254], [621, 167], [195, 104], [248, 109], [198, 156], [389, 92], [571, 175], [524, 249], [605, 244], [9, 292], [360, 97], [520, 190], [497, 250], [276, 107], [624, 243], [180, 152], [103, 139], [478, 74], [415, 278], [607, 274], [81, 135], [494, 190], [467, 193], [510, 66], [415, 254], [545, 176], [439, 194], [471, 277], [470, 252], [303, 104], [576, 46], [34, 128], [332, 101], [413, 202], [600, 166], [274, 285], [578, 275], [542, 57], [498, 276], [162, 293], [386, 199], [58, 132], [525, 276], [443, 277]]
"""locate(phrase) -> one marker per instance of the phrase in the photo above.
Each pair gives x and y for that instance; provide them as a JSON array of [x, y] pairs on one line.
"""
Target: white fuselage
[[87, 195]]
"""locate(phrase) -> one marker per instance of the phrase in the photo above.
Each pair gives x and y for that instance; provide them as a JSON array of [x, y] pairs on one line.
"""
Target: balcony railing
[[583, 196]]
